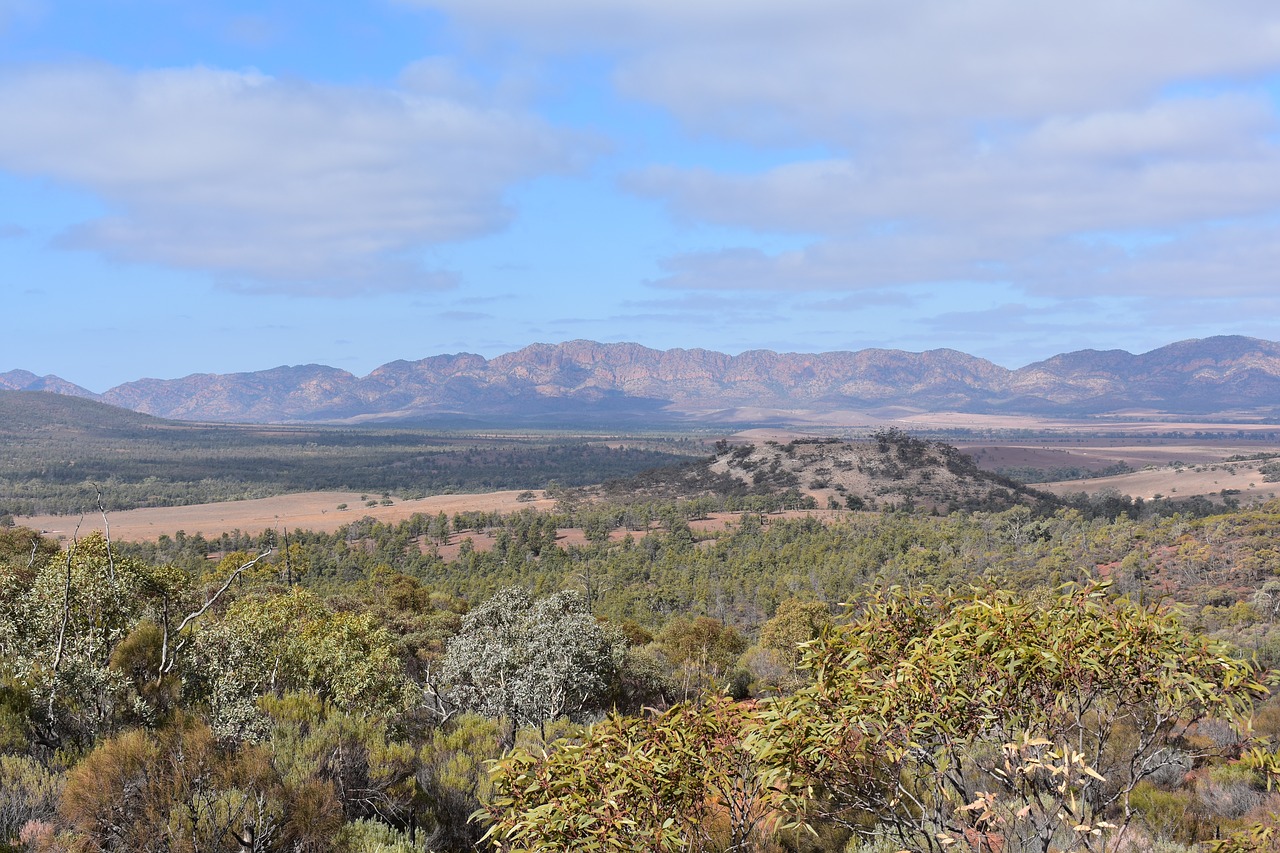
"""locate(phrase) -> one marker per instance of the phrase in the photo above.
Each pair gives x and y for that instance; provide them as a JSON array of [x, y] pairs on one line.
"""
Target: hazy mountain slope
[[25, 380], [628, 380]]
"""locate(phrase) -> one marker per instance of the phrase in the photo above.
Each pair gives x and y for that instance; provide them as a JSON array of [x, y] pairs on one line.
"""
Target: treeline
[[1029, 474], [645, 561], [188, 465]]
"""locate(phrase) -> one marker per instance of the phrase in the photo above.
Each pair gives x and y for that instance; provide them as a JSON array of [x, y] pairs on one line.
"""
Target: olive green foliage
[[63, 619], [737, 573], [775, 663], [309, 701], [1031, 720], [454, 778], [368, 770], [683, 781], [934, 720], [703, 652]]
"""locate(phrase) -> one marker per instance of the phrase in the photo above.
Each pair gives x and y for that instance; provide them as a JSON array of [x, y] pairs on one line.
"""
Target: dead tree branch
[[169, 656]]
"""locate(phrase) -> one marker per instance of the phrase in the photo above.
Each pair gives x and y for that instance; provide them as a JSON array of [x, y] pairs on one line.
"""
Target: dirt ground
[[1162, 467], [318, 511], [1094, 456], [309, 511], [1242, 480]]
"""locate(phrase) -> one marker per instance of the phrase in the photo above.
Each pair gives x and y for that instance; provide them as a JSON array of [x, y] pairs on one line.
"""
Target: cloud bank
[[1065, 147], [273, 184]]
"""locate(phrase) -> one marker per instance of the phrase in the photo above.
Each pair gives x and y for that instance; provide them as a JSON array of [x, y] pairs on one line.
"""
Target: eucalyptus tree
[[529, 662]]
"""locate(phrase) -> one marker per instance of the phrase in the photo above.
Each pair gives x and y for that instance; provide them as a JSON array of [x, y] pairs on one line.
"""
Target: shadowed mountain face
[[588, 380]]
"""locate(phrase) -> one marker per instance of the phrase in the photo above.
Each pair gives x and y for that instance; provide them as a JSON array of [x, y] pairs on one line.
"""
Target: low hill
[[24, 413], [891, 469]]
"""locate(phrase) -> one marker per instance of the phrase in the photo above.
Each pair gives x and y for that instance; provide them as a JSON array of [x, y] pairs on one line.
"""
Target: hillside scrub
[[315, 703], [932, 720]]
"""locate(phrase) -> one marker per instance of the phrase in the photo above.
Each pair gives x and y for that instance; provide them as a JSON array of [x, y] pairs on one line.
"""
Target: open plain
[[306, 511]]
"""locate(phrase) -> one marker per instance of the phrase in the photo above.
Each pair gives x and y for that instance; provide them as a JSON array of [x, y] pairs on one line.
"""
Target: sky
[[213, 187]]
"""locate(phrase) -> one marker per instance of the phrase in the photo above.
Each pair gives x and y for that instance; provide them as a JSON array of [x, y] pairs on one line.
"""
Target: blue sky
[[216, 187]]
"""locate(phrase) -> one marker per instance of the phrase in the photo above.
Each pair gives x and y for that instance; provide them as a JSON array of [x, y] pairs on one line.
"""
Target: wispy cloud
[[274, 185], [861, 301]]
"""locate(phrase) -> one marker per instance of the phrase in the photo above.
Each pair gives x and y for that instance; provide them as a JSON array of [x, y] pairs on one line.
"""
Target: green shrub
[[370, 836], [1167, 815]]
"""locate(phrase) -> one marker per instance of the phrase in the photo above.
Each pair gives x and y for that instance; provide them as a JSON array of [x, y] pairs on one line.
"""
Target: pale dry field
[[1096, 456], [306, 511], [1061, 443], [1208, 479]]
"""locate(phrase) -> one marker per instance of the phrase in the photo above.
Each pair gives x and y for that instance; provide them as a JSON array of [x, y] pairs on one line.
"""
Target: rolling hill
[[891, 469]]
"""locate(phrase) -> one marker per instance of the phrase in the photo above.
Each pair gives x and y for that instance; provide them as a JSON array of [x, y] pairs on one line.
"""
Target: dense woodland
[[1072, 678]]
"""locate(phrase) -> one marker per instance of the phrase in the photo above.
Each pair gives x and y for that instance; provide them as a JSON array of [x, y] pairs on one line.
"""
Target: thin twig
[[66, 599], [66, 617], [167, 662], [106, 526]]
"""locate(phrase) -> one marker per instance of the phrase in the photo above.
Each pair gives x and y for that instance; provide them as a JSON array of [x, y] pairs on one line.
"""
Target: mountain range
[[588, 381]]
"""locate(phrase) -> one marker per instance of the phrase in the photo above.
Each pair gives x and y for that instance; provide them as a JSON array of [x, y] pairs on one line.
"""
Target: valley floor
[[309, 510]]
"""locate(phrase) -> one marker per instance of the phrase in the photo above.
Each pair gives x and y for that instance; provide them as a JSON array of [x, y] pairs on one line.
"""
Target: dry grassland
[[1242, 479], [306, 511]]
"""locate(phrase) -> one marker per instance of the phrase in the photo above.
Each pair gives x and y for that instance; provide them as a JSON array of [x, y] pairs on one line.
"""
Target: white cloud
[[1235, 260], [272, 184], [1026, 207], [985, 140], [828, 65], [1173, 162], [827, 266]]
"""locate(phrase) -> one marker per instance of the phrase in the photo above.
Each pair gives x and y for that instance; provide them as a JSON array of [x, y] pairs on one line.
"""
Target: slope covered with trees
[[862, 682]]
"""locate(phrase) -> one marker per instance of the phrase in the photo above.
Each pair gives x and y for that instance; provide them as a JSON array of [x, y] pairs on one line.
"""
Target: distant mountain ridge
[[589, 379]]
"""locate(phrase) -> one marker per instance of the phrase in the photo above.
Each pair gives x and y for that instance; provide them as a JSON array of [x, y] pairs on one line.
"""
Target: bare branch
[[66, 603], [66, 618], [167, 661], [106, 526]]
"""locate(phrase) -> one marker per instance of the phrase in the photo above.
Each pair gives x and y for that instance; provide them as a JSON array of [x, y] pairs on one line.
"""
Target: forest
[[1090, 677]]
